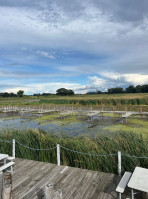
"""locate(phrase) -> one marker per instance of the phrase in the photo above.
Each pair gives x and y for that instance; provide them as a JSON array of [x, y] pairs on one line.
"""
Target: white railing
[[58, 147]]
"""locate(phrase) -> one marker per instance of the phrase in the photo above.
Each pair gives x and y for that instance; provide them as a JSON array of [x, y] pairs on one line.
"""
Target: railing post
[[13, 148], [119, 163], [58, 154]]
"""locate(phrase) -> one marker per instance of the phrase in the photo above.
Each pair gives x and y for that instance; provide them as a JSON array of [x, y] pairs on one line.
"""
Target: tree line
[[64, 91], [130, 89], [60, 91], [20, 93]]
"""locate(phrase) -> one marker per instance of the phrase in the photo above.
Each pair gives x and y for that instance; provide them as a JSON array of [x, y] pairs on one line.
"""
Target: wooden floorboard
[[30, 177]]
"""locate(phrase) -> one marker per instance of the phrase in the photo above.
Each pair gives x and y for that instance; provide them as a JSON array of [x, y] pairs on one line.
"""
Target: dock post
[[57, 194], [58, 154], [7, 186], [49, 191], [119, 163], [1, 184], [13, 148]]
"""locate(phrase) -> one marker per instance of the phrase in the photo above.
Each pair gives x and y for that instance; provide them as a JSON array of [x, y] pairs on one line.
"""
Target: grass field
[[127, 143], [100, 99]]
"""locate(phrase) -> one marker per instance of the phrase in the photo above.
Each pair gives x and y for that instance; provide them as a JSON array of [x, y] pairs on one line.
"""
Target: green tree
[[138, 89], [64, 91], [20, 93], [145, 88], [131, 89], [115, 90]]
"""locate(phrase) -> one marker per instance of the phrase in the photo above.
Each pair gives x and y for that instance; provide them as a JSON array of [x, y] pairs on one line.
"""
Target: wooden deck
[[30, 176]]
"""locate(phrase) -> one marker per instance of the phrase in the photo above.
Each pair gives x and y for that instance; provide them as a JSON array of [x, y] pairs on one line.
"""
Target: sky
[[85, 45]]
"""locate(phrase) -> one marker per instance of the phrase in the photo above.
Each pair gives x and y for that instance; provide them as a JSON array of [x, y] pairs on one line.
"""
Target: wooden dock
[[127, 114], [30, 177], [93, 113]]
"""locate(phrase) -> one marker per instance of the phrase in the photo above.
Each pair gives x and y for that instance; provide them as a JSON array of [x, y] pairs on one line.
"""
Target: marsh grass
[[101, 99], [127, 143]]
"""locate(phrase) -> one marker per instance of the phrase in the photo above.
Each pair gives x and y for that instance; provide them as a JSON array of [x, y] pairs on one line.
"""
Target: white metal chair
[[123, 183]]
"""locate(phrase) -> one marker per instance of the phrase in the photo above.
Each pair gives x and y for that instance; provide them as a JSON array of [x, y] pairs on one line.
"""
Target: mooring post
[[140, 111], [57, 194], [49, 191], [13, 148], [58, 154], [119, 163], [7, 186]]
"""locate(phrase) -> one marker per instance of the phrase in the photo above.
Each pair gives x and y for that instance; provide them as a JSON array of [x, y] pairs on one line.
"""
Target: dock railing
[[59, 148]]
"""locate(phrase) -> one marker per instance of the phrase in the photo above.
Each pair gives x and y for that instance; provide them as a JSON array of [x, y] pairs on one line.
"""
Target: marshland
[[105, 133]]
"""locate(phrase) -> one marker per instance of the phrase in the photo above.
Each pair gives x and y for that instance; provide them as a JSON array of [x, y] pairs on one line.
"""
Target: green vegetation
[[127, 143], [20, 93], [135, 125], [80, 100], [64, 91], [57, 118], [108, 124]]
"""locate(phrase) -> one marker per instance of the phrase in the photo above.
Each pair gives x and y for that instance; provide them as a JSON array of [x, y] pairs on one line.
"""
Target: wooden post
[[1, 184], [49, 191], [91, 118], [13, 148], [58, 154], [7, 186], [57, 194], [72, 110], [119, 163], [125, 109], [140, 110]]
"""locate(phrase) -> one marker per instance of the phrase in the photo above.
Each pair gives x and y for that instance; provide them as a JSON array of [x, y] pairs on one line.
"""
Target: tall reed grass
[[127, 143], [104, 101]]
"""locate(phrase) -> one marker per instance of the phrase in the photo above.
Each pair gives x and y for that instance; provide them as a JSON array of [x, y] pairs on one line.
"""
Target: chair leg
[[10, 170], [120, 197], [132, 192]]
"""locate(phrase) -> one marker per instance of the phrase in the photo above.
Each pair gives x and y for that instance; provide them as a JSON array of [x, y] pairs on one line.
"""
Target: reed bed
[[127, 143], [107, 102], [100, 99]]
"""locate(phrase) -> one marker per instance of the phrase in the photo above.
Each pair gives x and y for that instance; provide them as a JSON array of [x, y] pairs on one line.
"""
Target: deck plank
[[30, 177]]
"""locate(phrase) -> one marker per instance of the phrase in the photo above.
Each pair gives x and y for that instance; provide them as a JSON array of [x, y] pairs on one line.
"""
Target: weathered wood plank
[[1, 184], [30, 177], [7, 186]]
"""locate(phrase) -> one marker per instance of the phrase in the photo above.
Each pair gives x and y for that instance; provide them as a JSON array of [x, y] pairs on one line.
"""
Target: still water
[[80, 126]]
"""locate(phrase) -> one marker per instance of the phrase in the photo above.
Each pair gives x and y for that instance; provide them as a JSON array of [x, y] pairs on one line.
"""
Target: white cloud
[[90, 29], [45, 54], [96, 81], [110, 75], [133, 78], [43, 87]]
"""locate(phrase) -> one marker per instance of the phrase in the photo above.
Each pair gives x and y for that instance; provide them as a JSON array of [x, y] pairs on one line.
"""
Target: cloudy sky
[[83, 45]]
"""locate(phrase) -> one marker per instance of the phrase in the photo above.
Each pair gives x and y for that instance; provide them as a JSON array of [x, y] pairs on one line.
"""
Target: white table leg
[[5, 161], [120, 196], [132, 191]]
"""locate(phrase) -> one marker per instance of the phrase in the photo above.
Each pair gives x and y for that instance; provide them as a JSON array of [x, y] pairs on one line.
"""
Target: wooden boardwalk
[[30, 177]]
